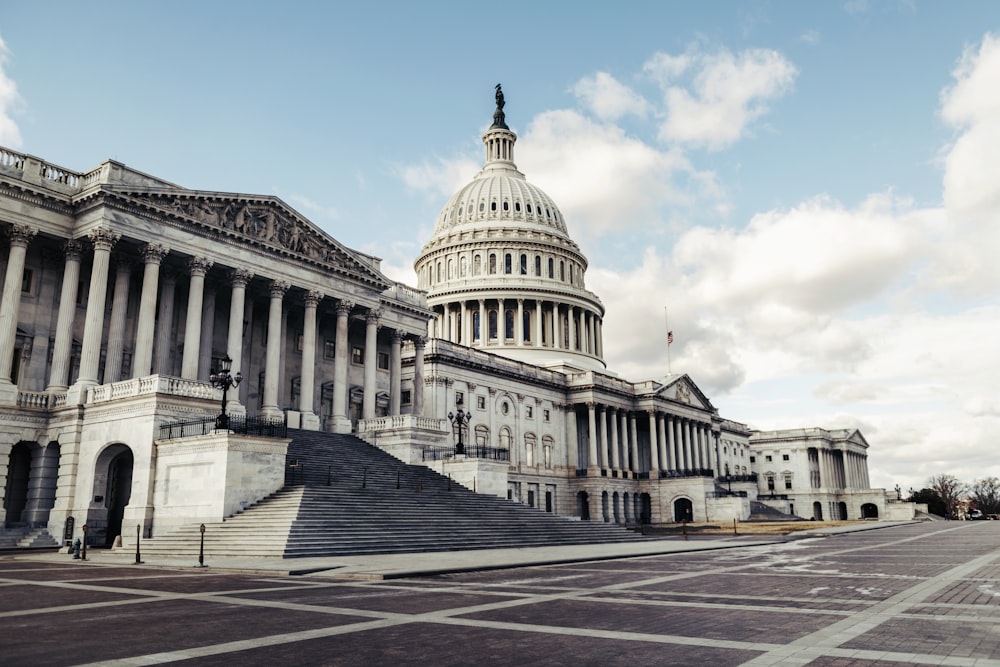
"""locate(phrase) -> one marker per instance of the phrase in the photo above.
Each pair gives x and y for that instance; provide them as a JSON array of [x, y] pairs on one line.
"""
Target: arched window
[[439, 271], [493, 324], [507, 263], [538, 265], [482, 436], [475, 325], [463, 266], [451, 269], [477, 265], [529, 449], [493, 263], [505, 438], [524, 264], [552, 273], [562, 270], [526, 325], [509, 324], [547, 443]]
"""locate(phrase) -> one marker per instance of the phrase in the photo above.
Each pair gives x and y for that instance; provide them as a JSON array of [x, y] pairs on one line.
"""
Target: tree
[[950, 490], [934, 503], [985, 495]]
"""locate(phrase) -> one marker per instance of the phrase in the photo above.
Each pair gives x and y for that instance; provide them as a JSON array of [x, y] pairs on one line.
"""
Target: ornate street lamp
[[459, 420], [221, 379]]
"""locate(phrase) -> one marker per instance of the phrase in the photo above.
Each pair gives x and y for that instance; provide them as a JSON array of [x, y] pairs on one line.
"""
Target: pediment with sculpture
[[683, 390]]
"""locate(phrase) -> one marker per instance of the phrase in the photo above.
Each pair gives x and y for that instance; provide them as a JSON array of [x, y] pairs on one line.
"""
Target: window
[[459, 398], [505, 407], [538, 265], [508, 263], [357, 355], [493, 324], [509, 324], [753, 459], [524, 264], [545, 415], [405, 397], [329, 349], [526, 325], [767, 457], [463, 266], [493, 263], [788, 480], [770, 482], [477, 265], [552, 273], [27, 278], [784, 457], [562, 271], [383, 360], [547, 455], [475, 325], [481, 402], [529, 412], [298, 342]]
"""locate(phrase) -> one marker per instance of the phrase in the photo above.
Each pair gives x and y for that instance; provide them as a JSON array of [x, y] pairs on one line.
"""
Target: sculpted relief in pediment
[[262, 222]]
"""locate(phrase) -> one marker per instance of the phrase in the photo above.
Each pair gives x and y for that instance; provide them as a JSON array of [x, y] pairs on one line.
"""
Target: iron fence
[[238, 424]]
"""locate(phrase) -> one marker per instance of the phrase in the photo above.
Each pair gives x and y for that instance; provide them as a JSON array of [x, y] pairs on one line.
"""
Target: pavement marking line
[[806, 649]]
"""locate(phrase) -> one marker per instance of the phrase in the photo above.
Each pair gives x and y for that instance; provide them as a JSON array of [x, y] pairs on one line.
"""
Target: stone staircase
[[26, 537], [344, 497], [761, 512]]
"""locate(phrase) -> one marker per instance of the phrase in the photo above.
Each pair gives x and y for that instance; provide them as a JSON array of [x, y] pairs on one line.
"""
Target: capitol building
[[123, 294]]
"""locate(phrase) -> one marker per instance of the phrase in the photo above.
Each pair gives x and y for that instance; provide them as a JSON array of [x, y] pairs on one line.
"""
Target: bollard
[[201, 549], [84, 556], [138, 534], [734, 527]]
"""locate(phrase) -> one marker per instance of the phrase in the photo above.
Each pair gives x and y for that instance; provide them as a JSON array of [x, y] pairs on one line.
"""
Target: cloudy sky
[[809, 191]]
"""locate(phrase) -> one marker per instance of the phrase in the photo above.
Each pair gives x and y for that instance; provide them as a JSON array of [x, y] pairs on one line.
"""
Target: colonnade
[[677, 444], [536, 323], [154, 332], [842, 469]]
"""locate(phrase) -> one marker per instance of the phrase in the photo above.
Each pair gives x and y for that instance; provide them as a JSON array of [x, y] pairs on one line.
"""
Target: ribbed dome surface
[[500, 195]]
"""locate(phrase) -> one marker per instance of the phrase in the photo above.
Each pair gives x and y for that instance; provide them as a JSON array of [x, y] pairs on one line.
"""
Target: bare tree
[[985, 495], [949, 489]]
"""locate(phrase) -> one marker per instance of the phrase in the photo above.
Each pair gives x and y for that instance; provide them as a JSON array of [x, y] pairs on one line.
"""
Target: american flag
[[670, 338]]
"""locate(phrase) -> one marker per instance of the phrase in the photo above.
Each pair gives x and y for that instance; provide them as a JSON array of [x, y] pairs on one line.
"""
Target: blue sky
[[808, 188]]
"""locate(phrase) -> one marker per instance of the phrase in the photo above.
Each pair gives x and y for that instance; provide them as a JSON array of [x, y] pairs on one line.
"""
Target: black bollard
[[138, 533], [201, 549], [84, 556]]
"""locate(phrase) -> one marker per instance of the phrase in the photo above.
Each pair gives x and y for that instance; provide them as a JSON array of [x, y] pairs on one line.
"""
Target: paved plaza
[[912, 594]]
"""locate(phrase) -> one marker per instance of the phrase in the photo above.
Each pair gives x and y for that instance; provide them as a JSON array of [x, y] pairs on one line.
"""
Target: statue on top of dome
[[498, 115]]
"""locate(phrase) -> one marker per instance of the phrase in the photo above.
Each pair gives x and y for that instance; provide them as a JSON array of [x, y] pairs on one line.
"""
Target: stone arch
[[15, 494], [605, 515], [583, 505], [616, 507], [869, 511], [683, 510], [817, 511], [842, 511], [111, 493], [625, 501], [645, 513]]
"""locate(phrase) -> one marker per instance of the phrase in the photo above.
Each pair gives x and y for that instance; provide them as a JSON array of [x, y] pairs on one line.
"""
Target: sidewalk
[[394, 566]]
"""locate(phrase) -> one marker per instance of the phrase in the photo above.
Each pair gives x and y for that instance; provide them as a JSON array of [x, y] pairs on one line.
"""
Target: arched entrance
[[817, 511], [645, 508], [869, 511], [15, 494], [113, 490], [583, 505], [604, 506], [683, 510], [842, 510]]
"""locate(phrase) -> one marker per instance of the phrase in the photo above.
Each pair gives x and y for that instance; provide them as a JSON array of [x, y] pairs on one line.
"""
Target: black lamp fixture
[[459, 421], [222, 379]]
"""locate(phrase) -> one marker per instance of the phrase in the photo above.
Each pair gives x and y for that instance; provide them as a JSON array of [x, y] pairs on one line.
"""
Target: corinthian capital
[[154, 253], [312, 298], [73, 250], [345, 307], [199, 266], [240, 277], [278, 289], [21, 235], [373, 315], [103, 238]]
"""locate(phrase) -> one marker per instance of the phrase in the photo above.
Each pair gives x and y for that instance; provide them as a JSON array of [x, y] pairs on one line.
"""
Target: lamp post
[[459, 420], [222, 379], [729, 481]]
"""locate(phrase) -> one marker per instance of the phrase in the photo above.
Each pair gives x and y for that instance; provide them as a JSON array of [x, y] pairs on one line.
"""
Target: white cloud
[[726, 94], [441, 177], [608, 99], [10, 101]]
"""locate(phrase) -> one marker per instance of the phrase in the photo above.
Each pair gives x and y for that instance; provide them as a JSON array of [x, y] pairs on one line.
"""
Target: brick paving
[[919, 594]]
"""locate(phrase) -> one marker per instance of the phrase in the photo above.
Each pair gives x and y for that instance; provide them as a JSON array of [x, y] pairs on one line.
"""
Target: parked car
[[975, 515]]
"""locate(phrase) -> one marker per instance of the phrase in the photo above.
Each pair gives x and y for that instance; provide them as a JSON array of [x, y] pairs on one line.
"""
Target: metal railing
[[752, 477], [471, 451], [692, 472], [238, 424]]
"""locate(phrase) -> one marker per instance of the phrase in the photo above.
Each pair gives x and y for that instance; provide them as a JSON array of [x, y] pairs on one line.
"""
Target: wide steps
[[345, 497]]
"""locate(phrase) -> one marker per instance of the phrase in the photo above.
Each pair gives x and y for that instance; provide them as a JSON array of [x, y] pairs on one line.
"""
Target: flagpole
[[666, 321]]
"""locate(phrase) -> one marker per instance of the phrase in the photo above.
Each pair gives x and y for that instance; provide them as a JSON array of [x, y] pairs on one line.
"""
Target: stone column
[[605, 452], [116, 327], [164, 345], [205, 365], [685, 426], [615, 455], [272, 372], [671, 451], [465, 337], [20, 237], [197, 268], [594, 461], [371, 361], [59, 377], [484, 330], [342, 421], [654, 447], [633, 429], [142, 356], [501, 323], [571, 322], [626, 450], [557, 318], [396, 367], [539, 324], [572, 440], [93, 329], [665, 456], [239, 279], [519, 324], [418, 373], [307, 381]]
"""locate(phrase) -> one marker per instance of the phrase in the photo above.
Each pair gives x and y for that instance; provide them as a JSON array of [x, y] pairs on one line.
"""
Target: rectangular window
[[298, 342], [383, 360], [545, 415], [547, 453], [788, 481], [481, 402], [459, 397], [767, 458], [329, 349], [753, 459], [404, 397], [26, 280], [529, 412], [784, 457], [357, 355]]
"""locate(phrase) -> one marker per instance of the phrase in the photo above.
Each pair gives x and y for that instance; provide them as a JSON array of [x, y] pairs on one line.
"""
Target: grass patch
[[750, 528]]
